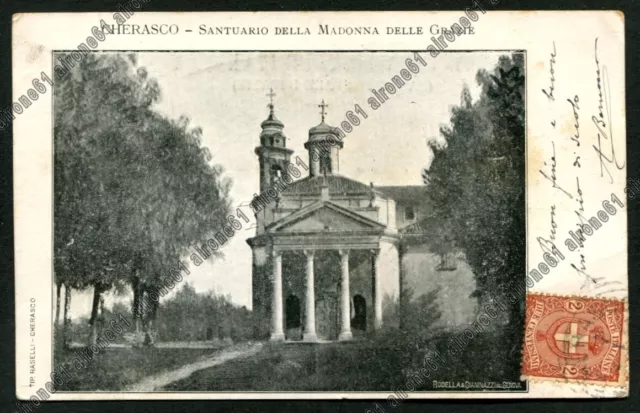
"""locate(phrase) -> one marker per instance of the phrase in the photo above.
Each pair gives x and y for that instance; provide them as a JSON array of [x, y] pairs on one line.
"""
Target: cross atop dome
[[270, 95], [323, 112]]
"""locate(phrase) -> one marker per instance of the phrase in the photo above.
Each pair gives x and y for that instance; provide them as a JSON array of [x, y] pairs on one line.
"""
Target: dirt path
[[158, 381]]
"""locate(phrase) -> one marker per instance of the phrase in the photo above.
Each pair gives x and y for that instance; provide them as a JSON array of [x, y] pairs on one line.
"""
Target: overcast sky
[[225, 94]]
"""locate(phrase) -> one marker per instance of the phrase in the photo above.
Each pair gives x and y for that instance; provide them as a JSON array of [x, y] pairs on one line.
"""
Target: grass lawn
[[359, 365], [381, 363], [116, 368], [298, 367]]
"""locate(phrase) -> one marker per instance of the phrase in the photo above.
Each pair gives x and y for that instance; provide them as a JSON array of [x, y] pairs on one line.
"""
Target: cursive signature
[[603, 121]]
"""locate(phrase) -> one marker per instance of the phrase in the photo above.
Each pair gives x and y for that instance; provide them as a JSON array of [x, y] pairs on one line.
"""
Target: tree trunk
[[93, 322], [67, 323], [137, 301], [150, 333], [101, 317], [58, 290]]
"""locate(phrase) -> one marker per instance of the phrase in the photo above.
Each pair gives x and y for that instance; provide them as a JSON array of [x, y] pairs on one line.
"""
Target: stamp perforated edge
[[623, 379]]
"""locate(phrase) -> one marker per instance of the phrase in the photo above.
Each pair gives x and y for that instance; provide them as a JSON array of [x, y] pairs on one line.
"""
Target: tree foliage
[[132, 188], [190, 316], [476, 180], [476, 183]]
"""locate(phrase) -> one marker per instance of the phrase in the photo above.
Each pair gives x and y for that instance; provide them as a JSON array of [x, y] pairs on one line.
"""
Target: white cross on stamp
[[572, 338]]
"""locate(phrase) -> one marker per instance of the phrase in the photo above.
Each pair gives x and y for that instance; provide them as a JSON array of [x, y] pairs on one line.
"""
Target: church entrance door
[[359, 320], [327, 317], [292, 318]]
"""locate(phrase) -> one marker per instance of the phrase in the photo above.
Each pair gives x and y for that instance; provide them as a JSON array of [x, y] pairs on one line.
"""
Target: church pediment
[[324, 216]]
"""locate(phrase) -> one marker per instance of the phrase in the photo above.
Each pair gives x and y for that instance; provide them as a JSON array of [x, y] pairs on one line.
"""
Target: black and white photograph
[[271, 222]]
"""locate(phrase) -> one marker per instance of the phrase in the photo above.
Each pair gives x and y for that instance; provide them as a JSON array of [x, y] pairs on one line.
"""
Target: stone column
[[310, 322], [345, 331], [277, 333], [377, 293]]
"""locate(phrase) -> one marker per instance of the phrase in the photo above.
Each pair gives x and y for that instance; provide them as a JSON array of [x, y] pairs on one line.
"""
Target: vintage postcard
[[368, 205]]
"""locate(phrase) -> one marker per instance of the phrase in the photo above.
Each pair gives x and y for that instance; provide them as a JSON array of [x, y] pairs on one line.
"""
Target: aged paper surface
[[320, 205]]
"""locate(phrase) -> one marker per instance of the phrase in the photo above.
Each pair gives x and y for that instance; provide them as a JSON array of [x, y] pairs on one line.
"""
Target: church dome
[[323, 145], [272, 125], [271, 122], [320, 132], [272, 131], [321, 128]]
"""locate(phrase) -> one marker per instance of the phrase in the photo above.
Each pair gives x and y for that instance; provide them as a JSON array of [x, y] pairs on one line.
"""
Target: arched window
[[276, 173], [325, 162], [409, 213], [448, 262]]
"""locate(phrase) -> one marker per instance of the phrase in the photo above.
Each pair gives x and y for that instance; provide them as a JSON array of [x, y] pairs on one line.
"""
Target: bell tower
[[324, 146], [274, 157], [273, 154]]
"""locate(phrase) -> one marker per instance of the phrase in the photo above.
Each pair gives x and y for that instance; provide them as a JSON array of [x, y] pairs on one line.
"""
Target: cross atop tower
[[271, 94], [323, 112]]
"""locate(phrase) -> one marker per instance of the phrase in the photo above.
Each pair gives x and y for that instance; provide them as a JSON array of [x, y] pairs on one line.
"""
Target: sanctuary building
[[333, 256]]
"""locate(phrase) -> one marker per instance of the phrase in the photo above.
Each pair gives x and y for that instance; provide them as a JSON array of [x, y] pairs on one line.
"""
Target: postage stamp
[[573, 338]]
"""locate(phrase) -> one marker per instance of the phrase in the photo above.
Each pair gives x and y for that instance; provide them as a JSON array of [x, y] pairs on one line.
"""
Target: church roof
[[405, 194], [338, 185]]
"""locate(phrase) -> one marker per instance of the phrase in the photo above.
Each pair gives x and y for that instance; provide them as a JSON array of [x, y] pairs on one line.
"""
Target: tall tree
[[476, 183], [133, 189]]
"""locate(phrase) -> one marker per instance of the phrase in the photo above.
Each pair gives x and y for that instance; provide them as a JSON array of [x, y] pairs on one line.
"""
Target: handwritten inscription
[[574, 106], [602, 121], [553, 223], [552, 79], [565, 165], [579, 199], [552, 177]]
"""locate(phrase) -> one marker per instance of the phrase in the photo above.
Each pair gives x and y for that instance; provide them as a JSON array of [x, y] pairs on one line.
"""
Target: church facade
[[332, 256]]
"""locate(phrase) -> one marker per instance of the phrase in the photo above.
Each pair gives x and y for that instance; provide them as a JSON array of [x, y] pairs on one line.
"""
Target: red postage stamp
[[571, 338]]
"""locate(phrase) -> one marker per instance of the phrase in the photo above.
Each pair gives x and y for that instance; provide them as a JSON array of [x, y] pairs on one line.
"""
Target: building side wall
[[420, 274], [386, 212], [388, 270]]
